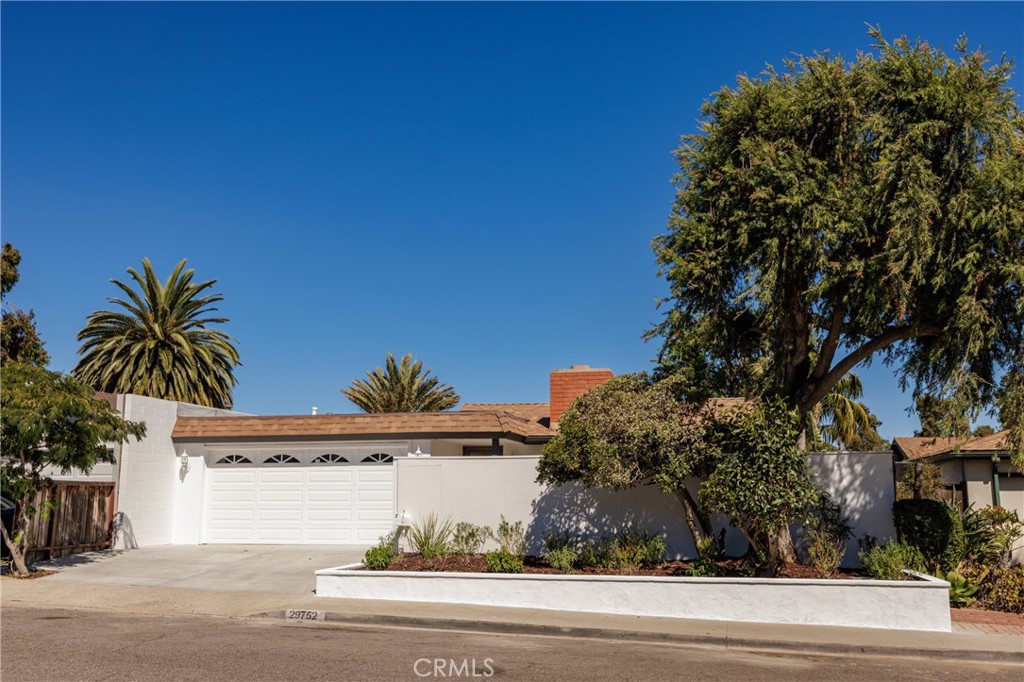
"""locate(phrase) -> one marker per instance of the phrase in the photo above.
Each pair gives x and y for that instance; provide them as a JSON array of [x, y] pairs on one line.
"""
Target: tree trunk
[[700, 527], [17, 555], [781, 549]]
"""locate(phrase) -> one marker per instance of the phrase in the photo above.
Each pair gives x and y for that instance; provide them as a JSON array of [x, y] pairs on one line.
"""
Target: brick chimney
[[569, 384]]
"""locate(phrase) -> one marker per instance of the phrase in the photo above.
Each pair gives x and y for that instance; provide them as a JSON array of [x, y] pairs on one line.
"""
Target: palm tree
[[840, 419], [159, 344], [403, 387]]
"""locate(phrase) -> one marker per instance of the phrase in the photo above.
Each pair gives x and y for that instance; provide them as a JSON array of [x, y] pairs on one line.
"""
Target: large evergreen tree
[[834, 213], [160, 342]]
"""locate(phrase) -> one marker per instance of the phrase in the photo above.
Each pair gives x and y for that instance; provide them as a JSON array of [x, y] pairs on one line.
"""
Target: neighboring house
[[212, 476], [978, 468]]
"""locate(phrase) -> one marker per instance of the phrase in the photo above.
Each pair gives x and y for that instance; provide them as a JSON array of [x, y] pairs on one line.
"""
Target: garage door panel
[[281, 495], [375, 474], [328, 495], [319, 504]]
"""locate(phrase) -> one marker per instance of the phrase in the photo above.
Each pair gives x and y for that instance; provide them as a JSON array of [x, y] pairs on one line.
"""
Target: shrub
[[887, 562], [1002, 530], [503, 561], [561, 558], [635, 549], [468, 539], [935, 528], [597, 553], [825, 552], [556, 541], [382, 555], [709, 550], [1007, 590], [432, 537], [511, 537]]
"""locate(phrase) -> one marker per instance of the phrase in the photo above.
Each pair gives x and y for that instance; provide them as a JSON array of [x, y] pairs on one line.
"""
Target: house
[[978, 468], [203, 475], [214, 476]]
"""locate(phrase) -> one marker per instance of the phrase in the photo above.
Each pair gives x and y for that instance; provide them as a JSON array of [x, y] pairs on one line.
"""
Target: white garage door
[[293, 503]]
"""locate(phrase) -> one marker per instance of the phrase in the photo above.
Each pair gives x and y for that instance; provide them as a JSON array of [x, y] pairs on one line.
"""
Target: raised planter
[[920, 604]]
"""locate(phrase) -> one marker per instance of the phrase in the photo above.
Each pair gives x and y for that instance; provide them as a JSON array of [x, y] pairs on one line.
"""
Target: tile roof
[[360, 426], [533, 411], [921, 447]]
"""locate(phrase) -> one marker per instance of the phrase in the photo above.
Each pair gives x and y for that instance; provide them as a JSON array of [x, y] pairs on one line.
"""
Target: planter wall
[[921, 604]]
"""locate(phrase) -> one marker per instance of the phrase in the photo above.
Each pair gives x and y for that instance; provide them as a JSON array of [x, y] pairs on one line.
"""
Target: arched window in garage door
[[378, 458], [281, 459], [234, 459]]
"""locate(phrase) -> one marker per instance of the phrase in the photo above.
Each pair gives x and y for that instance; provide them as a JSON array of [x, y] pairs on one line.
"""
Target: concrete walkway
[[108, 583], [239, 568]]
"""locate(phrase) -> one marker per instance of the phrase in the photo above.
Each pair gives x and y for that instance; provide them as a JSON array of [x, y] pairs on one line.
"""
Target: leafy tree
[[632, 431], [159, 343], [19, 340], [834, 213], [983, 430], [49, 419], [762, 482], [401, 387], [942, 417]]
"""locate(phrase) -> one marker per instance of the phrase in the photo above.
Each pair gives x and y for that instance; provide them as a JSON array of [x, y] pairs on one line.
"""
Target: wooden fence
[[77, 517]]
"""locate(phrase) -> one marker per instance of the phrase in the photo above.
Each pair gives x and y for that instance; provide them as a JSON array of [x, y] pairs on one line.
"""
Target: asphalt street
[[70, 645]]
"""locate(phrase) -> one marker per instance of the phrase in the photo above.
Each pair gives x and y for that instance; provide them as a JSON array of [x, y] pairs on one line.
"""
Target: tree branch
[[818, 390], [831, 342]]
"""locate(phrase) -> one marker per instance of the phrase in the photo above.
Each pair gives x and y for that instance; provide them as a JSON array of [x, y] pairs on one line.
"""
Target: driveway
[[241, 568]]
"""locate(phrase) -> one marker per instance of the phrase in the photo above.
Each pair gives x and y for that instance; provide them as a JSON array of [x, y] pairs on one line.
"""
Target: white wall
[[150, 476], [480, 490], [145, 499], [862, 482]]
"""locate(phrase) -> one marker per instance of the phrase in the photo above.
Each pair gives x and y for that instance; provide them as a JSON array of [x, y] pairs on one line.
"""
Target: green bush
[[635, 549], [432, 537], [556, 541], [468, 539], [503, 561], [935, 528], [381, 556], [1007, 590], [887, 562], [511, 537], [825, 552], [597, 553], [561, 558]]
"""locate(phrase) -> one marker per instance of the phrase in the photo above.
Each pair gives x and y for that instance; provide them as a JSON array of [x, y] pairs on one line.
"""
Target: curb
[[748, 643]]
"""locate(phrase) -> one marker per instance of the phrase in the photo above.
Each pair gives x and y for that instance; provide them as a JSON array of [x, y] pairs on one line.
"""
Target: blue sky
[[474, 183]]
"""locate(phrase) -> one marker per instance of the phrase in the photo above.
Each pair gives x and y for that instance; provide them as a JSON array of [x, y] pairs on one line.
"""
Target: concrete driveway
[[239, 568]]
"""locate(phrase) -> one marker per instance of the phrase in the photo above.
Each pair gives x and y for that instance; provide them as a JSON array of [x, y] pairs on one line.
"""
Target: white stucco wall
[[862, 482], [892, 604], [150, 478], [145, 500], [481, 489]]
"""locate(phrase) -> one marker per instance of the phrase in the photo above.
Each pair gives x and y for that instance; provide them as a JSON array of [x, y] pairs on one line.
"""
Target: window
[[330, 458], [234, 459], [280, 459], [378, 458]]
